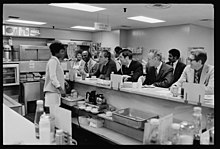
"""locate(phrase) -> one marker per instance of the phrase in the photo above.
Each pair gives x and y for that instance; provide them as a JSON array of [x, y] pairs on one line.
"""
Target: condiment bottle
[[38, 113], [59, 137], [197, 120]]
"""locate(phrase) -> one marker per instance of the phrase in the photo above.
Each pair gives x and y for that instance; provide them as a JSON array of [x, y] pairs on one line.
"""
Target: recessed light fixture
[[83, 27], [146, 19], [25, 21], [78, 6], [158, 6]]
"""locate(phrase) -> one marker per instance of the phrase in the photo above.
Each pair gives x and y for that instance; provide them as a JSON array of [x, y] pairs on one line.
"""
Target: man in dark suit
[[158, 73], [106, 65], [132, 68], [177, 65]]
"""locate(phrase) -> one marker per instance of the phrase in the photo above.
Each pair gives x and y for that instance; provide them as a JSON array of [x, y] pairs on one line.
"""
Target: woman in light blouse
[[54, 78]]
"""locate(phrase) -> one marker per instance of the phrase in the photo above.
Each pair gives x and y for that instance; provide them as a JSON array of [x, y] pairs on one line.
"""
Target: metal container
[[132, 117]]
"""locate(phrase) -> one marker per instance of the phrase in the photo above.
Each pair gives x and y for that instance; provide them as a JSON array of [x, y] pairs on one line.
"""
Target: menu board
[[11, 30], [23, 31], [34, 32], [20, 31]]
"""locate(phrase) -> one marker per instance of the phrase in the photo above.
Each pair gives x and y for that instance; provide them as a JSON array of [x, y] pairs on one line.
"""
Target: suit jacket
[[135, 67], [178, 70], [105, 71], [206, 78], [93, 67], [163, 79]]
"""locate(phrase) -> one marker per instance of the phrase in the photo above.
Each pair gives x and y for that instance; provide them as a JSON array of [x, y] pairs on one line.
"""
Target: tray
[[132, 117], [71, 102]]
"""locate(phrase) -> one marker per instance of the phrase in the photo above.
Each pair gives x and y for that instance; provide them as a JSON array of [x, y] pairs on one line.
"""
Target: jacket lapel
[[203, 74], [160, 71], [191, 75]]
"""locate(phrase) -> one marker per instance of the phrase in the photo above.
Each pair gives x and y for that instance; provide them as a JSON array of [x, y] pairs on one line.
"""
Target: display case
[[10, 74]]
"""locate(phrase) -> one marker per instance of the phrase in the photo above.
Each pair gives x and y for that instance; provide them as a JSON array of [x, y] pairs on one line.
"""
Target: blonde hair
[[156, 53]]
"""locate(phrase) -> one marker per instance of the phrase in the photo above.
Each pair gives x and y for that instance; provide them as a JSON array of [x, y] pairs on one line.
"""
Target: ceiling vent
[[205, 20], [13, 17], [158, 6], [124, 27]]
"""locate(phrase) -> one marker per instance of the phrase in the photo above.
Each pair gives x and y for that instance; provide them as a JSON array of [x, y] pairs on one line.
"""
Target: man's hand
[[125, 77]]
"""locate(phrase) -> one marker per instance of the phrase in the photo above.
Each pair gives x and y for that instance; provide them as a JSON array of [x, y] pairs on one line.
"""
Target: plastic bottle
[[59, 137], [38, 113], [44, 129], [175, 127], [154, 135], [197, 121]]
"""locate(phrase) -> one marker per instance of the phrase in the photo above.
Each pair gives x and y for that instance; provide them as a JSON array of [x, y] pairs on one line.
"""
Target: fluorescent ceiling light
[[83, 27], [78, 6], [146, 19], [25, 21]]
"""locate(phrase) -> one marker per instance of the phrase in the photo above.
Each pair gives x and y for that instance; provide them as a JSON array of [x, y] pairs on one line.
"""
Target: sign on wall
[[102, 26], [11, 30]]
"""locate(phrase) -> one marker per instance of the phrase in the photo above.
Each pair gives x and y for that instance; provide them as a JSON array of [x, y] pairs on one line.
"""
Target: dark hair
[[126, 52], [55, 47], [175, 53], [118, 49], [107, 54], [78, 52], [199, 54]]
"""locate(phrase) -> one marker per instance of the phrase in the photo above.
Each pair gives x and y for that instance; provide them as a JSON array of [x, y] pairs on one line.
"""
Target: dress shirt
[[128, 64], [158, 68], [174, 65]]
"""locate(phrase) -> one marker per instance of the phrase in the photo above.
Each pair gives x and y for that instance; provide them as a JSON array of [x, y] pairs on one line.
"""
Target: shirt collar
[[158, 67], [129, 64], [174, 64], [200, 70], [56, 59]]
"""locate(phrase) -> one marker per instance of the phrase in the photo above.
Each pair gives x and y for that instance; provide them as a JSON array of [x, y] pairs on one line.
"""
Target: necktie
[[171, 64], [196, 78], [86, 67]]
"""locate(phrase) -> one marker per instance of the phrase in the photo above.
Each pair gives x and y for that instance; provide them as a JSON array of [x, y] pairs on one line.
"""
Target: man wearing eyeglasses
[[197, 71]]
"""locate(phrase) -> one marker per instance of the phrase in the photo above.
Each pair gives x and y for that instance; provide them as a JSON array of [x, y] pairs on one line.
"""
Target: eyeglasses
[[189, 59]]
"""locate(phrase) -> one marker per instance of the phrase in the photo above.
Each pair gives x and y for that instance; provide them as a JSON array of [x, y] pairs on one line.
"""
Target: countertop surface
[[158, 92], [17, 129]]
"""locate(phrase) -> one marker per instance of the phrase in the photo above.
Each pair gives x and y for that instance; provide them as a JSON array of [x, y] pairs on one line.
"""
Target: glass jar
[[154, 131], [175, 127], [186, 133]]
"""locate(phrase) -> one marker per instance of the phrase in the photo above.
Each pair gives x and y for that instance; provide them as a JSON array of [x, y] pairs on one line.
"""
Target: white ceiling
[[113, 15]]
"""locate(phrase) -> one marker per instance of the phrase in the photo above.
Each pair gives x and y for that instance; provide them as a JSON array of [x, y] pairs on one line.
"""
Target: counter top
[[158, 92], [17, 129]]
